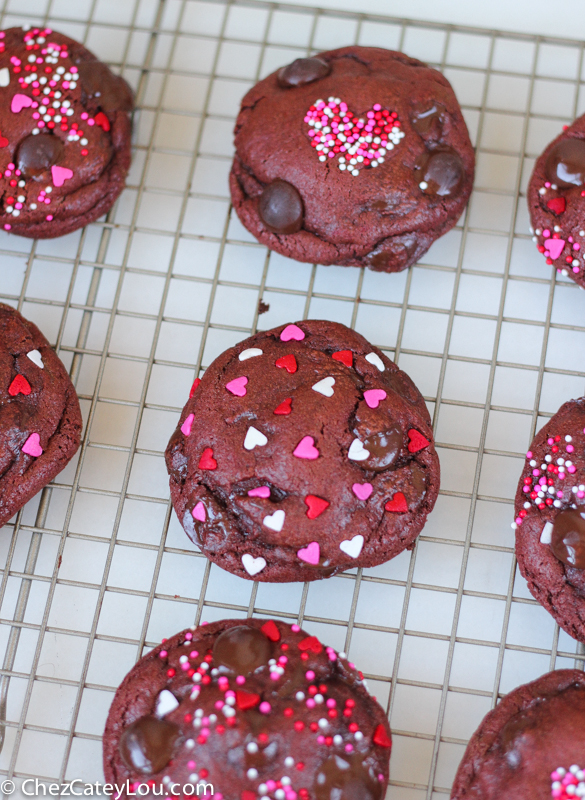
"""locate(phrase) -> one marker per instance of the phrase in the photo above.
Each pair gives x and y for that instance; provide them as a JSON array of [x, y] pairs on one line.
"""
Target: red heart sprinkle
[[345, 356], [311, 643], [246, 700], [3, 141], [207, 461], [557, 205], [19, 385], [316, 506], [417, 441], [285, 407], [270, 630], [381, 737], [289, 363], [102, 121], [196, 383], [398, 504]]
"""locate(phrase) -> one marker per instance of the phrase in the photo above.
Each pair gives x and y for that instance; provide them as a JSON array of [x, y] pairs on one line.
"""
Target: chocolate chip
[[37, 154], [110, 92], [565, 165], [242, 649], [280, 207], [428, 121], [568, 538], [440, 172], [302, 71], [384, 448], [147, 745]]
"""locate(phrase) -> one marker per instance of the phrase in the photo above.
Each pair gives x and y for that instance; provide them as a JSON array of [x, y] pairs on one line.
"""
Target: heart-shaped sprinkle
[[345, 356], [325, 386], [60, 174], [288, 362], [253, 565], [4, 77], [207, 461], [32, 446], [3, 141], [245, 701], [381, 737], [36, 358], [310, 644], [187, 425], [362, 490], [417, 441], [316, 506], [251, 352], [398, 504], [237, 386], [555, 247], [101, 120], [352, 547], [357, 142], [357, 452], [374, 396], [292, 332], [546, 535], [306, 449], [284, 408], [199, 512], [19, 385], [374, 358], [165, 703], [260, 491], [557, 205], [20, 101], [270, 630], [254, 438], [310, 553], [274, 521], [196, 383]]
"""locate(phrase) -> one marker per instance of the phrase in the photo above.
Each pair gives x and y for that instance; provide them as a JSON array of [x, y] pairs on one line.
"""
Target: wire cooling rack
[[97, 568]]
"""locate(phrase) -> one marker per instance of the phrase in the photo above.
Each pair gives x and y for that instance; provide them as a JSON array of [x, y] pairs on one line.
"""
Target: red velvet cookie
[[40, 420], [358, 157], [64, 134], [302, 452], [251, 708]]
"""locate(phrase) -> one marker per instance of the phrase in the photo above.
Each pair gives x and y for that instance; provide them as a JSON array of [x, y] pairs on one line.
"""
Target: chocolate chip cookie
[[303, 451], [40, 420], [251, 708], [357, 157], [64, 134]]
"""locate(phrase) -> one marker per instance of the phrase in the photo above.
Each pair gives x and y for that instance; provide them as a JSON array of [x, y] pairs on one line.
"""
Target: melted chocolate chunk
[[384, 448], [110, 92], [429, 121], [568, 538], [37, 154], [516, 733], [565, 165], [346, 779], [242, 649], [177, 458], [419, 482], [302, 71], [147, 745], [442, 172], [399, 248], [280, 207]]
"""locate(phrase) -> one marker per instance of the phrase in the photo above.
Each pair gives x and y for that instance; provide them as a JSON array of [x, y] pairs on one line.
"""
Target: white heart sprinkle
[[353, 547], [251, 352], [545, 536], [36, 358], [375, 359], [4, 76], [325, 386], [357, 452], [165, 703], [254, 438], [274, 521], [253, 565]]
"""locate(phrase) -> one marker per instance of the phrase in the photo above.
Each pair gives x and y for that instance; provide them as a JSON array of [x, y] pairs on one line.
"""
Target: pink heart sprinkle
[[362, 490], [306, 449], [292, 332], [260, 491], [186, 426], [32, 446], [310, 553], [199, 512], [555, 247], [20, 101], [60, 175], [237, 386], [373, 397]]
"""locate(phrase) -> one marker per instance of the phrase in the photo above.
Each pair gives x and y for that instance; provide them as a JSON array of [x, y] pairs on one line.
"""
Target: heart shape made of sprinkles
[[357, 142]]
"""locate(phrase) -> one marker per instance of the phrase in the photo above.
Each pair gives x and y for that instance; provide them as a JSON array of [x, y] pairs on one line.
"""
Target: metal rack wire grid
[[97, 569]]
